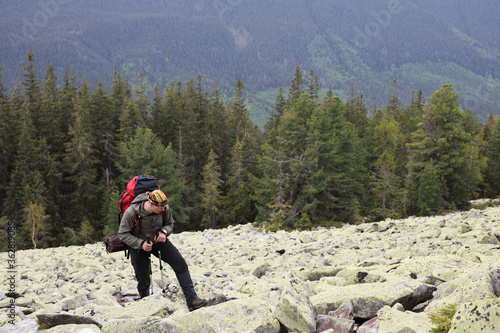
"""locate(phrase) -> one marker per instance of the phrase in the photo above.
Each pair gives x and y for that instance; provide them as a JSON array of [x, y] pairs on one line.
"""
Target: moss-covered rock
[[481, 281], [478, 316], [73, 328], [243, 315], [244, 272], [396, 319], [295, 310], [142, 325], [370, 297]]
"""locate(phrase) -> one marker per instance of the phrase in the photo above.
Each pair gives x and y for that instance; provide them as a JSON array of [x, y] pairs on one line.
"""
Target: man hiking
[[155, 221]]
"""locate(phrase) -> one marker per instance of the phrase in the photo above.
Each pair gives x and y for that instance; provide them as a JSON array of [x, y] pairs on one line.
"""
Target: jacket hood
[[140, 198]]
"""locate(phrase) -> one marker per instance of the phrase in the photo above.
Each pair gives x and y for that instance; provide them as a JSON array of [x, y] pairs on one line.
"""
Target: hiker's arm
[[125, 231], [168, 222]]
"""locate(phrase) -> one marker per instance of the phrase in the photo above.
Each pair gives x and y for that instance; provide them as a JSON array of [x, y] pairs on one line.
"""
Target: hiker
[[156, 221]]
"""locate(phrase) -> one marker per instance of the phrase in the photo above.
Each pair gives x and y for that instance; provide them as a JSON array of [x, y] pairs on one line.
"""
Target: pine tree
[[27, 185], [145, 154], [119, 98], [103, 125], [290, 159], [411, 117], [194, 147], [156, 122], [130, 120], [493, 171], [271, 127], [82, 163], [389, 165], [384, 182], [49, 113], [490, 150], [33, 95], [297, 87], [218, 132], [430, 201], [141, 101], [239, 119], [393, 108], [66, 105], [313, 84], [336, 158], [442, 140], [211, 198], [237, 201], [356, 112], [9, 134]]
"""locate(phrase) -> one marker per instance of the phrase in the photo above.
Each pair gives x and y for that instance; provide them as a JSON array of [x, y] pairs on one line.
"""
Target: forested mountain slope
[[364, 44]]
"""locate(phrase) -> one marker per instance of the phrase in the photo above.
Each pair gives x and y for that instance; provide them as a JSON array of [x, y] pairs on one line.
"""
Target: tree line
[[68, 151]]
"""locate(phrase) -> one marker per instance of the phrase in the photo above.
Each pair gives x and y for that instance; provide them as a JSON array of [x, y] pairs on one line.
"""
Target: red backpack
[[136, 185]]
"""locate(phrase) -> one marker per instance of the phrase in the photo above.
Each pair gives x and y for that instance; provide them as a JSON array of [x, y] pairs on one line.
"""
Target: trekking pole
[[148, 240], [157, 230]]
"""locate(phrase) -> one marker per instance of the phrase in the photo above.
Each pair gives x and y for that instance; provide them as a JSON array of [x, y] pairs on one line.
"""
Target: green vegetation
[[422, 44], [68, 150], [442, 319]]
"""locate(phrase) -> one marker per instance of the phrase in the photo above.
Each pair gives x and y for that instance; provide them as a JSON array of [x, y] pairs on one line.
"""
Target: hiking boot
[[197, 303]]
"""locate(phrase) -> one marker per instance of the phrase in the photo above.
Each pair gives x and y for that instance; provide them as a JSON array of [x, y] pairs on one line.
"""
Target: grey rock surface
[[391, 273]]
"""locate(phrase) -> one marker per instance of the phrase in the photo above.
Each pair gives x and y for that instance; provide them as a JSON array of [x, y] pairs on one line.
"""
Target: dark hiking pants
[[141, 260]]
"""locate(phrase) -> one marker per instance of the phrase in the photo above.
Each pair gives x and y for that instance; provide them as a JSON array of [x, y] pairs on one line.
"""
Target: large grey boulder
[[368, 298], [478, 316], [152, 306], [396, 319], [142, 325], [481, 281], [73, 328], [295, 310], [245, 315], [25, 326], [48, 320]]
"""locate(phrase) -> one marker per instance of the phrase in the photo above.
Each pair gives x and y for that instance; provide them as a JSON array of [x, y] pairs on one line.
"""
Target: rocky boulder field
[[376, 277]]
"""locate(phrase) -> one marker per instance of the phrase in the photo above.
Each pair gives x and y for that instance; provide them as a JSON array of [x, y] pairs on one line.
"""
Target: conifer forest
[[68, 149]]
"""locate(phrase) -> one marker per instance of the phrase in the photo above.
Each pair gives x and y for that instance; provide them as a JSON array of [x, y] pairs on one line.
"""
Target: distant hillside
[[420, 43]]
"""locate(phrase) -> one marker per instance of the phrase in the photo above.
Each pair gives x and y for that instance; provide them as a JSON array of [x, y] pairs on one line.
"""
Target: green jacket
[[130, 235]]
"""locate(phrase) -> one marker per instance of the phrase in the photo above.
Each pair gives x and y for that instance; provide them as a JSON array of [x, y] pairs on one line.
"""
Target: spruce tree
[[313, 85], [130, 120], [141, 100], [119, 97], [442, 140], [27, 187], [388, 167], [82, 163], [103, 125], [336, 158], [356, 112], [237, 201], [297, 86], [9, 135], [393, 108], [33, 96], [490, 150], [384, 183], [211, 197], [49, 113], [430, 201], [271, 126], [145, 154], [218, 131], [66, 105]]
